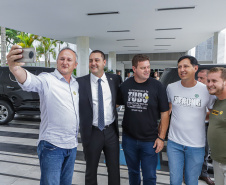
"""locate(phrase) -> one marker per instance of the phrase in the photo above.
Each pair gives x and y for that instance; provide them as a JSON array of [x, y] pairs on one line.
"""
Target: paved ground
[[19, 162]]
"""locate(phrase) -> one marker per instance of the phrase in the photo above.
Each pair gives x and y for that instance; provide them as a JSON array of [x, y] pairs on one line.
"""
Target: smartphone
[[29, 55]]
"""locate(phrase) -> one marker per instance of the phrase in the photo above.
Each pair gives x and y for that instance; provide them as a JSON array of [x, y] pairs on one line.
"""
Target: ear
[[196, 68], [134, 69], [104, 62], [76, 64]]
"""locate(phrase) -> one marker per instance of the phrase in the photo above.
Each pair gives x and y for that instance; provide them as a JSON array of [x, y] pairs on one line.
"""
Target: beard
[[218, 91]]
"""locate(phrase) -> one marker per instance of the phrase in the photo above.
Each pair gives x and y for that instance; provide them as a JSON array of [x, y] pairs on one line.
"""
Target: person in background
[[119, 75], [156, 75], [128, 76]]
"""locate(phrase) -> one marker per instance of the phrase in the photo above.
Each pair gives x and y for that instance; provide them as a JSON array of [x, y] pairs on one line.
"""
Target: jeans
[[189, 159], [56, 164], [140, 154], [219, 173]]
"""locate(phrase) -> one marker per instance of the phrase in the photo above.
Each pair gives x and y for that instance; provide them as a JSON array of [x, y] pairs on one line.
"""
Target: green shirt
[[217, 131]]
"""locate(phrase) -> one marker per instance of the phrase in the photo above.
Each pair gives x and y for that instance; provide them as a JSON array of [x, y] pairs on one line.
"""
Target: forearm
[[19, 73], [164, 124], [14, 66]]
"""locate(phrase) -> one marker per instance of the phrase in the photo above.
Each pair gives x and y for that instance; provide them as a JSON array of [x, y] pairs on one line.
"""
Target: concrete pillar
[[191, 52], [219, 55], [83, 56], [112, 61], [121, 67], [3, 46]]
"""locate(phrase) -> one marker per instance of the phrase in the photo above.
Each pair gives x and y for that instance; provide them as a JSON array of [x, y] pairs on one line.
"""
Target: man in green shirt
[[216, 84]]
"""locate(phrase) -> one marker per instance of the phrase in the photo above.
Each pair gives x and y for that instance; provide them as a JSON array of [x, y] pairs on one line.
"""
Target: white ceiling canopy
[[135, 26]]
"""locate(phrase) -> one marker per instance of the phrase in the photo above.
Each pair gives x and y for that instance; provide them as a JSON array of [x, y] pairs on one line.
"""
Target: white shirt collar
[[59, 75], [95, 78]]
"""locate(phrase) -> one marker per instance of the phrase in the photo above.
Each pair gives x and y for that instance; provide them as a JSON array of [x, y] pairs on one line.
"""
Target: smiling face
[[215, 83], [186, 70], [96, 64], [142, 71], [66, 62]]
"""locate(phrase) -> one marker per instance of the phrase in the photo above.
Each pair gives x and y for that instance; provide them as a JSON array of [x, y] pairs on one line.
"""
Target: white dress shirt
[[59, 107], [107, 100]]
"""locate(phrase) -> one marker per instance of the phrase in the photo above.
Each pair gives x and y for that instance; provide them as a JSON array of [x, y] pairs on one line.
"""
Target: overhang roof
[[67, 19]]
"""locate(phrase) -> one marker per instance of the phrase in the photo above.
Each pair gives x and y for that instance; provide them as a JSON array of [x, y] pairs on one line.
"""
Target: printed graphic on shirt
[[137, 100], [187, 102], [216, 112]]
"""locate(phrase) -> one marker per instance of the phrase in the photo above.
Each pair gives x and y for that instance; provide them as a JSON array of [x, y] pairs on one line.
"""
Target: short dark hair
[[219, 69], [192, 59], [67, 48], [204, 71], [139, 58], [98, 51]]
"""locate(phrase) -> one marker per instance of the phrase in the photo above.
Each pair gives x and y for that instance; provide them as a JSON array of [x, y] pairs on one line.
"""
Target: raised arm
[[15, 67]]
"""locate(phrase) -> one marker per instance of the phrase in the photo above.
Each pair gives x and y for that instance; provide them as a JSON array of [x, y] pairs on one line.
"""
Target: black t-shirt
[[143, 104]]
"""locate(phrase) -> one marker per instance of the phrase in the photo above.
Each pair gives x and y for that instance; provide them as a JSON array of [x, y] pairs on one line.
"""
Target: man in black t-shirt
[[145, 102]]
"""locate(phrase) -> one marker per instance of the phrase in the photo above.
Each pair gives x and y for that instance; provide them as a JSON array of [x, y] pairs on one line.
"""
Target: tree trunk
[[46, 60], [49, 60], [3, 46]]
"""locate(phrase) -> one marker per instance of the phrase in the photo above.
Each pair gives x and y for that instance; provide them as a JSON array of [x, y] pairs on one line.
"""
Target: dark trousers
[[204, 172], [108, 142]]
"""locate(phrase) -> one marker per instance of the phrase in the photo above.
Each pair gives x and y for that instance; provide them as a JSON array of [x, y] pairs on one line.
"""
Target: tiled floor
[[19, 163]]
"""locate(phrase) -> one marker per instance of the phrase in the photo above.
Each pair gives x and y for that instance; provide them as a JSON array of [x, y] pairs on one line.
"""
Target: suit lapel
[[89, 91], [111, 84]]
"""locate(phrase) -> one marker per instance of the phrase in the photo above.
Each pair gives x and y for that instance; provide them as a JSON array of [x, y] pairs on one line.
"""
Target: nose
[[92, 62], [65, 61], [182, 68]]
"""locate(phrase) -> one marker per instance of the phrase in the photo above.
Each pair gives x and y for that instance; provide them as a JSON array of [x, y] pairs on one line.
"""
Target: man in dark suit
[[99, 119]]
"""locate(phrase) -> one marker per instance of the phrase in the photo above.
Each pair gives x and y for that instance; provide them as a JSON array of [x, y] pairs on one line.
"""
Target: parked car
[[13, 99]]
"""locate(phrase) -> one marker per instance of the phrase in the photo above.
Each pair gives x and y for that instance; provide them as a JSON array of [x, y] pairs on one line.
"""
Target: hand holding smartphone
[[29, 55]]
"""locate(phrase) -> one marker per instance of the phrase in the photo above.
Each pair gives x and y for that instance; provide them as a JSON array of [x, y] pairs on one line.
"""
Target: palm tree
[[27, 39], [46, 48], [11, 37]]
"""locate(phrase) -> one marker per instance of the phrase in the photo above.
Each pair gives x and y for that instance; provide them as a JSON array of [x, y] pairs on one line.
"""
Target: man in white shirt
[[99, 119], [58, 92], [188, 100]]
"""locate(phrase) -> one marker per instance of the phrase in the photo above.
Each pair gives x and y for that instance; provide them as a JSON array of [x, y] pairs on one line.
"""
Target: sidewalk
[[19, 163]]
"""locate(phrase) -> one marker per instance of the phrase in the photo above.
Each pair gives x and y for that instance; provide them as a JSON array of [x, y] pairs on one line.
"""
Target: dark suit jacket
[[86, 105]]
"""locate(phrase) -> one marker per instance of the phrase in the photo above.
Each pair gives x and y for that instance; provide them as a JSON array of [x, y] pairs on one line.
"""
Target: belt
[[106, 127]]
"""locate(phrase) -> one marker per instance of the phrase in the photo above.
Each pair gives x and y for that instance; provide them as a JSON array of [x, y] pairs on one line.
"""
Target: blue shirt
[[59, 107]]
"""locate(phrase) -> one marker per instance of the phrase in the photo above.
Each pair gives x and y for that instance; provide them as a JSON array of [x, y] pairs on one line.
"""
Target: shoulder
[[174, 84], [201, 85], [127, 82], [82, 78], [113, 77], [155, 82]]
